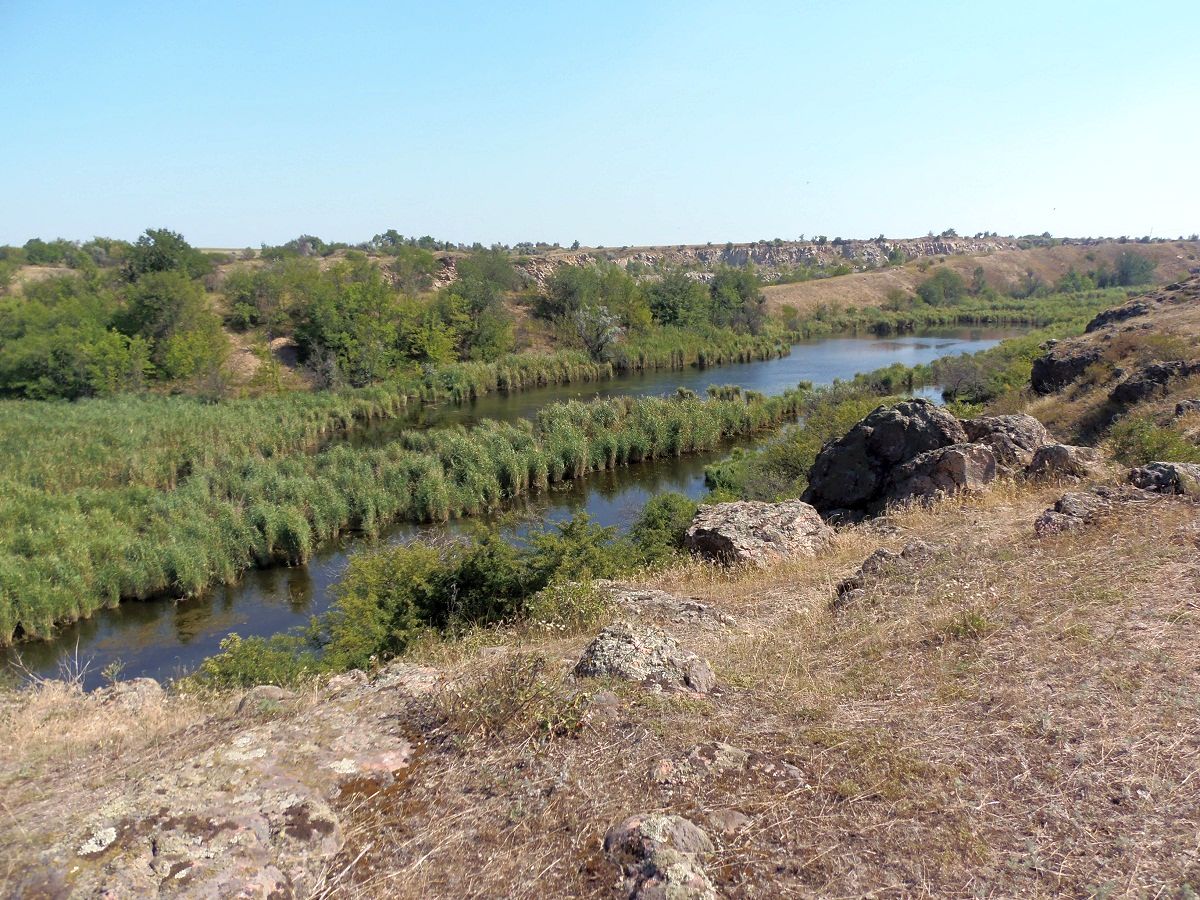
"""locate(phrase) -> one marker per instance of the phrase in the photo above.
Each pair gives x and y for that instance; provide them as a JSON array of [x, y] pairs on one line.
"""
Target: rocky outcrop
[[1013, 439], [756, 533], [940, 473], [852, 475], [715, 759], [647, 603], [251, 814], [1152, 380], [915, 555], [660, 857], [645, 654], [1071, 512], [1064, 461], [1186, 408], [1062, 364], [1168, 478], [1075, 510], [134, 694], [1130, 310]]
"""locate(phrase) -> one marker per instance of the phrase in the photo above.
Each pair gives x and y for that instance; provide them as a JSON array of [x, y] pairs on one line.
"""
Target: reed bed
[[66, 552]]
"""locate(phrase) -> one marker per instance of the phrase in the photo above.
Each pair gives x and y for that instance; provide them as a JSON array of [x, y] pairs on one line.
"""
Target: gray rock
[[1013, 439], [756, 533], [1071, 512], [1186, 407], [135, 694], [653, 604], [645, 654], [1152, 381], [263, 698], [882, 562], [660, 857], [852, 474], [1062, 364], [1130, 310], [940, 473], [1064, 461], [1168, 478]]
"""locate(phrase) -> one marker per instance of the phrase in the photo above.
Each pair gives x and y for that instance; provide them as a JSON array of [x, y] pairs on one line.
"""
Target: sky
[[614, 124]]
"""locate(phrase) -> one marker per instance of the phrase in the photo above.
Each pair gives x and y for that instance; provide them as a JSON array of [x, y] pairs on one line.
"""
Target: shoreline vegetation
[[132, 470], [64, 555]]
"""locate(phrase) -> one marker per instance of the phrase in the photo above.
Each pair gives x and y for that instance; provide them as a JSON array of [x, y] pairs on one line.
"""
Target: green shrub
[[659, 531], [1137, 440]]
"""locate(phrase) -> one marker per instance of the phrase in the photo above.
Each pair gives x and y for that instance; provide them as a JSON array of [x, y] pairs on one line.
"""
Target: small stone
[[101, 840], [263, 697], [727, 821]]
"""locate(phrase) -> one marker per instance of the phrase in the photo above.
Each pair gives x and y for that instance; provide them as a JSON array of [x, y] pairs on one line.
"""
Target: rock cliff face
[[769, 257]]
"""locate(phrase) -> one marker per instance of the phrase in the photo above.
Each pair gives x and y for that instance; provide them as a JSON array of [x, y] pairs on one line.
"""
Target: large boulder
[[645, 654], [1013, 439], [1061, 365], [1168, 478], [1064, 461], [940, 473], [852, 474], [757, 533], [660, 857]]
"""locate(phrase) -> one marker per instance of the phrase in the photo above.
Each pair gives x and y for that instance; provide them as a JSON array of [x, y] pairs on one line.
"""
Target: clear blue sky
[[613, 123]]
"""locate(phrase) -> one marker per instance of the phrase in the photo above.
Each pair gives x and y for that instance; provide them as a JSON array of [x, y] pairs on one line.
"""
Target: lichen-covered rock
[[942, 472], [1071, 512], [248, 812], [660, 857], [136, 693], [756, 533], [1060, 365], [1064, 461], [1168, 478], [645, 654], [649, 603], [1013, 439], [852, 474]]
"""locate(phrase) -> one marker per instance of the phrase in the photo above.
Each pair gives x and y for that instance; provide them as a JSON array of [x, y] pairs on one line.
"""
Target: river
[[164, 639]]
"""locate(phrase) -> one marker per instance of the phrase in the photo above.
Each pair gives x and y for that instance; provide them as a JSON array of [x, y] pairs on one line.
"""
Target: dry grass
[[1002, 269], [1016, 719]]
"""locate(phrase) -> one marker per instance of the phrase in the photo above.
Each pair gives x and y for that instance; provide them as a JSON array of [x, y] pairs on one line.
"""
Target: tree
[[163, 250], [596, 328], [677, 299], [1134, 268], [942, 288], [737, 299]]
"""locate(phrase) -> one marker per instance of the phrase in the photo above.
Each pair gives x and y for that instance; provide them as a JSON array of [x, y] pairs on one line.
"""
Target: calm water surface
[[164, 639]]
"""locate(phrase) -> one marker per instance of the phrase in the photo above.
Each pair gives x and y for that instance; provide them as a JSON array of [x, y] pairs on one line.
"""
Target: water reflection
[[163, 639]]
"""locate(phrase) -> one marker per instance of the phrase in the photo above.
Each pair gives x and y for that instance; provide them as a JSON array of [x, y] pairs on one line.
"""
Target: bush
[[1138, 440], [659, 531]]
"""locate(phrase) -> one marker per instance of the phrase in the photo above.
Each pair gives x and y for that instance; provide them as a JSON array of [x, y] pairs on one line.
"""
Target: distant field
[[1001, 268]]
